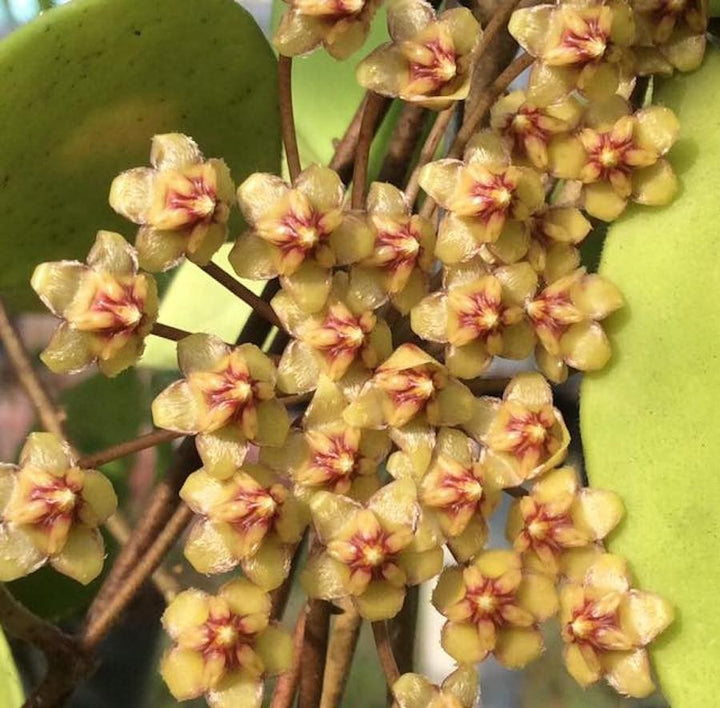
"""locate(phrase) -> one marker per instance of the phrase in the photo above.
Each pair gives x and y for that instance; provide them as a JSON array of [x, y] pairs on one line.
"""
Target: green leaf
[[86, 85], [11, 692], [650, 420]]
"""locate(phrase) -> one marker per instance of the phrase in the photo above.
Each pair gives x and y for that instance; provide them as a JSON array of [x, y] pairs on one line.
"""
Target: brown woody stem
[[344, 634], [343, 159], [287, 119], [164, 581], [385, 652], [427, 151], [159, 509], [403, 143], [96, 630], [498, 21], [167, 332], [50, 417], [284, 694], [239, 290], [142, 442], [370, 118], [67, 664], [314, 652]]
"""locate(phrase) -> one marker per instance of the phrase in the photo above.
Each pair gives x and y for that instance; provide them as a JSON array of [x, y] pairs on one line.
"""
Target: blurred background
[[102, 412]]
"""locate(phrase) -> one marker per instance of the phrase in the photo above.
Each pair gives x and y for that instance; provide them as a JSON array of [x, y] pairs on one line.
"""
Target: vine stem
[[403, 143], [159, 509], [167, 332], [287, 119], [314, 653], [142, 442], [244, 293], [166, 584], [343, 158], [50, 417], [286, 686], [371, 115], [344, 635], [67, 664], [385, 652], [427, 151], [96, 629], [498, 21]]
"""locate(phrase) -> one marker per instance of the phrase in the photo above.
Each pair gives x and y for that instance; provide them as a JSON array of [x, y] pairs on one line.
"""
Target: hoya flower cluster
[[393, 317]]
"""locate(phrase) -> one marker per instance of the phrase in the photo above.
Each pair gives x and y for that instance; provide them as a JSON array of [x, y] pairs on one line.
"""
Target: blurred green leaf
[[86, 85], [11, 693], [649, 419]]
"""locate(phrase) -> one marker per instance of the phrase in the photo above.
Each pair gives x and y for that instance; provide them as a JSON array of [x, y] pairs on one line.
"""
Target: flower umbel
[[493, 605], [250, 519], [50, 512], [227, 398], [223, 645], [606, 626], [429, 61], [107, 307], [182, 203]]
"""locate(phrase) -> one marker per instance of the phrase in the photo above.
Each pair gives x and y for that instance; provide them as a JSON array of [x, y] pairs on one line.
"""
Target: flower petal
[[518, 646], [48, 452], [182, 670], [56, 283], [207, 551], [175, 408], [629, 672], [252, 257], [463, 642], [82, 555], [270, 565], [69, 351], [380, 601], [160, 250], [18, 554]]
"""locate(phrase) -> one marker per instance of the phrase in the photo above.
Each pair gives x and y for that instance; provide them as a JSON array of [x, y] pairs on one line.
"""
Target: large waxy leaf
[[86, 85], [650, 420]]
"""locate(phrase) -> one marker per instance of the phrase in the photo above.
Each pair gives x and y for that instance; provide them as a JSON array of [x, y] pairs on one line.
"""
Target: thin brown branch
[[115, 452], [385, 652], [96, 630], [166, 584], [344, 634], [498, 21], [314, 652], [239, 290], [402, 630], [167, 332], [370, 119], [160, 507], [67, 664], [471, 122], [284, 694], [287, 118], [403, 144], [428, 150], [343, 159], [50, 417], [281, 595]]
